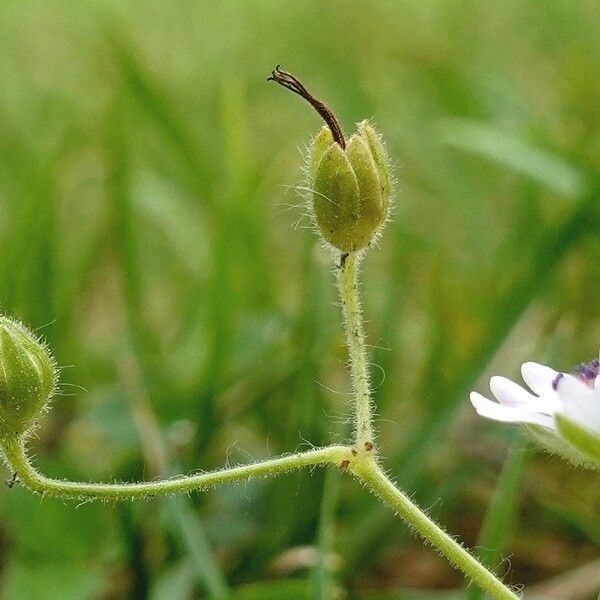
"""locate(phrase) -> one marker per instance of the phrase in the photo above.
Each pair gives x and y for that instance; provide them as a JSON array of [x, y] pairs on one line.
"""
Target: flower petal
[[569, 387], [508, 414], [539, 377], [509, 393], [581, 404]]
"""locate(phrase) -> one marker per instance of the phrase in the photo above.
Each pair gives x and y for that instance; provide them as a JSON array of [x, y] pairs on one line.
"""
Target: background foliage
[[147, 176]]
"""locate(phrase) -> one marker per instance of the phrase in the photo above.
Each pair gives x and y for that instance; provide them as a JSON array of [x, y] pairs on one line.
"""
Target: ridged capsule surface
[[350, 188], [27, 377]]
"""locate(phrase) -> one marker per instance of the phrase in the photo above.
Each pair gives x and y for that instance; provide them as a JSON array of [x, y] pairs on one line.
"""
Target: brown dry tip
[[292, 83], [368, 446], [344, 464]]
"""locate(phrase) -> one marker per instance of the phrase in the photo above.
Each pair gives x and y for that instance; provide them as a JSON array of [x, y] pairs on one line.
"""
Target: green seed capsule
[[350, 182], [27, 378], [350, 187]]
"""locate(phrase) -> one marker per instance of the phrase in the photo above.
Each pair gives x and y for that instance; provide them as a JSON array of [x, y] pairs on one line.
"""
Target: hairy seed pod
[[350, 187], [27, 378], [349, 182]]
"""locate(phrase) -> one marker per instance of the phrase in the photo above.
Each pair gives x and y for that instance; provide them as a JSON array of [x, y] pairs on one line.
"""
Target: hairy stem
[[371, 474], [16, 457], [357, 356], [365, 465]]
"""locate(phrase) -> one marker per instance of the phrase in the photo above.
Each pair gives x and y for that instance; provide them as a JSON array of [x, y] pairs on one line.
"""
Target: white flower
[[565, 406]]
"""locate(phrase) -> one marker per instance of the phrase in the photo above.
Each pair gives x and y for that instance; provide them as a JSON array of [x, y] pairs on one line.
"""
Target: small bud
[[27, 378], [350, 187], [350, 183]]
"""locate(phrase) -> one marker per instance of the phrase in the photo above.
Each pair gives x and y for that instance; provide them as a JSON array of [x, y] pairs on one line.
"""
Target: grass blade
[[501, 511]]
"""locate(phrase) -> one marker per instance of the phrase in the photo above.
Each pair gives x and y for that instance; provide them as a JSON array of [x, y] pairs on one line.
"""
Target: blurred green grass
[[147, 228]]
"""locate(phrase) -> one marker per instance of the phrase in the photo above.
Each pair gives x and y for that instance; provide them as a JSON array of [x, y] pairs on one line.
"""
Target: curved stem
[[365, 466], [17, 458], [371, 474], [357, 356]]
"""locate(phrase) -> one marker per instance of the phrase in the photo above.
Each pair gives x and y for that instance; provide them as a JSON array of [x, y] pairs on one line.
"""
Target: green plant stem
[[370, 473], [360, 460], [17, 459], [364, 464], [357, 356]]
